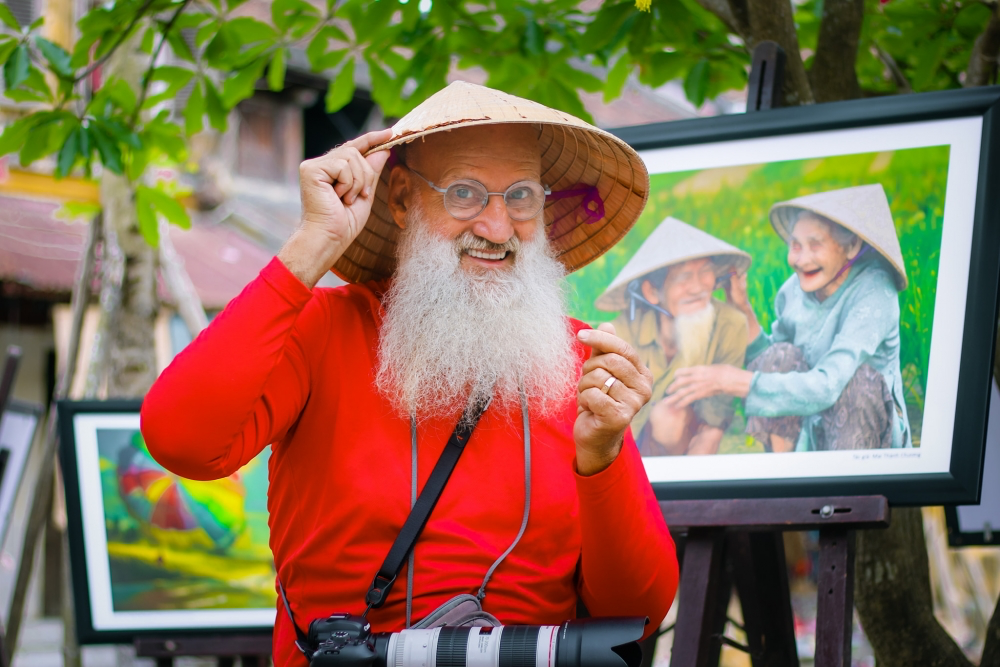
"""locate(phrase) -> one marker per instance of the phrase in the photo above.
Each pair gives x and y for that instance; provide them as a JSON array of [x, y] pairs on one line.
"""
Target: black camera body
[[342, 640]]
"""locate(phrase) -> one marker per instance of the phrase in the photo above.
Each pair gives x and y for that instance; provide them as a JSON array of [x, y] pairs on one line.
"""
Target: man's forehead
[[690, 265], [511, 142]]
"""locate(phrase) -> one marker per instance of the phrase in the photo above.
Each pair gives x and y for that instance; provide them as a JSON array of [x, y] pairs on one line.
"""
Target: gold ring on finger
[[607, 384]]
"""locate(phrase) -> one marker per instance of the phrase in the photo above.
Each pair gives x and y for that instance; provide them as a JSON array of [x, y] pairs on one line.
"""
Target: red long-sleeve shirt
[[294, 368]]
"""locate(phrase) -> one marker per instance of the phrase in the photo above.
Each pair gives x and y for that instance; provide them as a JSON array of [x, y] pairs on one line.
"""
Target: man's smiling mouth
[[483, 254]]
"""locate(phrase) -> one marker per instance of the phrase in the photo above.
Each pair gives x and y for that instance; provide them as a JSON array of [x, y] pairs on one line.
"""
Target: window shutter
[[23, 10]]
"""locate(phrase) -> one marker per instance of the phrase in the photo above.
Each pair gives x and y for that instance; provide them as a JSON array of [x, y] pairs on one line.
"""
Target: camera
[[343, 640]]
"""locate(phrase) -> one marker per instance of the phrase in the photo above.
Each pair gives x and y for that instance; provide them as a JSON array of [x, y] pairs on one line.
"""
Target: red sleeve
[[628, 564], [238, 386]]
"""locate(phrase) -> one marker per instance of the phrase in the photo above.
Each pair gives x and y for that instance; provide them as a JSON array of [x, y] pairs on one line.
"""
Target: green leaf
[[7, 46], [8, 17], [15, 70], [74, 210], [47, 136], [276, 70], [147, 41], [107, 149], [238, 42], [122, 94], [319, 58], [606, 25], [68, 153], [369, 18], [240, 86], [285, 13], [194, 110], [217, 111], [179, 46], [175, 79], [36, 24], [57, 56], [341, 88], [696, 82], [533, 41], [15, 134], [146, 217], [578, 78], [662, 67], [616, 79], [151, 205]]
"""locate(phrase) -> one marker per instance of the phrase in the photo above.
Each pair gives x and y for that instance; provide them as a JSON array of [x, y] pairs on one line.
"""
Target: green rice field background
[[732, 203]]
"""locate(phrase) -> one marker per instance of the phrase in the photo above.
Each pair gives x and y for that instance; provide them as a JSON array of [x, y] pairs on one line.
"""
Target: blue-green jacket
[[856, 325]]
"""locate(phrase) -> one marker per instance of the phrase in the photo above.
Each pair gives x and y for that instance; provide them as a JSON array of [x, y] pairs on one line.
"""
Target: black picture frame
[[86, 631], [966, 524], [961, 484]]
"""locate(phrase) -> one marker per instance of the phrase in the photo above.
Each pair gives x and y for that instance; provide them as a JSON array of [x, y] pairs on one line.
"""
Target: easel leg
[[761, 578], [703, 596], [835, 603]]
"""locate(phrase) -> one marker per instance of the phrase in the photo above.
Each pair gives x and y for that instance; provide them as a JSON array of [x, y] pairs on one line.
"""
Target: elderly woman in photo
[[669, 316], [827, 377]]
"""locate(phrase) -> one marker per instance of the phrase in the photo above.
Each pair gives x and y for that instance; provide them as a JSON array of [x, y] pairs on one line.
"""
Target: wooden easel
[[739, 542], [252, 650], [6, 391], [726, 543]]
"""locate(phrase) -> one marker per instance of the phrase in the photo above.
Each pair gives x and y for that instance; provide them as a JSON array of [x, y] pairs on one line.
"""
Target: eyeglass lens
[[467, 199]]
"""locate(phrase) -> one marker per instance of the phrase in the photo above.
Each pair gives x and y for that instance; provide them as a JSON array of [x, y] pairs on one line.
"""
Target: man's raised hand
[[602, 417], [337, 191]]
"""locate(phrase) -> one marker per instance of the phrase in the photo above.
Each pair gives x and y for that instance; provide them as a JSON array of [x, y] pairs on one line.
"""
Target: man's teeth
[[482, 254]]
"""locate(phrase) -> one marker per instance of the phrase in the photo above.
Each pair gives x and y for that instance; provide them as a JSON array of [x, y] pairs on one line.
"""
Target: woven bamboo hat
[[863, 210], [574, 153], [672, 242]]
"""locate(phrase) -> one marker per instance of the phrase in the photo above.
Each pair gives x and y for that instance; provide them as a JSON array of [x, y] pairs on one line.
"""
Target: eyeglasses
[[465, 199]]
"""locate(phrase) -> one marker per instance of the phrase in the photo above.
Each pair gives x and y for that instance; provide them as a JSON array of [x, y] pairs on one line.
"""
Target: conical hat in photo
[[672, 242], [573, 152], [863, 210]]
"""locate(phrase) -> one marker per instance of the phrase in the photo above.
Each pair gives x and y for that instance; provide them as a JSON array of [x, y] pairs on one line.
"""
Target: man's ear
[[650, 293], [399, 194]]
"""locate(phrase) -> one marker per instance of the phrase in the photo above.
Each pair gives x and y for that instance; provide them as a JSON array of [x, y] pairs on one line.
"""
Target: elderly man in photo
[[455, 297], [671, 318]]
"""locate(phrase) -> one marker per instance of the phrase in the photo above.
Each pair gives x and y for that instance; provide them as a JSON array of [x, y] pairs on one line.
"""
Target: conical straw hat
[[863, 210], [672, 242], [573, 152]]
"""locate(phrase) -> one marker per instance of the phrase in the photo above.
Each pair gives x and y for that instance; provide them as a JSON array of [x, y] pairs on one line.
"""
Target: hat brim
[[572, 153]]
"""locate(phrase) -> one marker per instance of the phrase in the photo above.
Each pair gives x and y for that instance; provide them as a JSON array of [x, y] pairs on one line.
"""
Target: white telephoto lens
[[412, 648], [545, 653], [483, 649]]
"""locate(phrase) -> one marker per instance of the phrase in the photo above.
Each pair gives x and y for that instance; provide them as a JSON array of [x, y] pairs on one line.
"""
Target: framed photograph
[[979, 525], [153, 553], [17, 432], [815, 291]]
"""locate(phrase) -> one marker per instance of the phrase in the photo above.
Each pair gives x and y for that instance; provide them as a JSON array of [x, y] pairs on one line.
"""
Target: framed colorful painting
[[152, 553], [815, 291]]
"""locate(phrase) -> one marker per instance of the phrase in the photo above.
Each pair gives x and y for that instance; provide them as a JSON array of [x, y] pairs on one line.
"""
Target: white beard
[[452, 337], [693, 333]]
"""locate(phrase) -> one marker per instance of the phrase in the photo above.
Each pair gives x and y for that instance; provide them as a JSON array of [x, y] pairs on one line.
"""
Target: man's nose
[[494, 224]]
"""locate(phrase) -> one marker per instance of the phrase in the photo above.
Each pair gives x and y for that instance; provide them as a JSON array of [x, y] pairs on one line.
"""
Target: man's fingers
[[359, 174], [607, 326], [366, 142], [602, 341], [616, 365]]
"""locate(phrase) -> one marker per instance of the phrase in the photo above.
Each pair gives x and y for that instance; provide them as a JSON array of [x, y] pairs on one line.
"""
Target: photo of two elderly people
[[782, 307]]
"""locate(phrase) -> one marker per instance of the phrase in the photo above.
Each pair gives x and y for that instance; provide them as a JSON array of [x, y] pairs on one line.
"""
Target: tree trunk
[[833, 74], [893, 596], [982, 69], [773, 20]]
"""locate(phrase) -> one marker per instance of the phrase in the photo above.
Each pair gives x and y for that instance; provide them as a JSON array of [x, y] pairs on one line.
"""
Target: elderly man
[[456, 298], [672, 320]]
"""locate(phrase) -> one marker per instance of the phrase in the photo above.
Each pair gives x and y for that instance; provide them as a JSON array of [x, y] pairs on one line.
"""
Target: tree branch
[[902, 83], [892, 593], [833, 74], [773, 20], [121, 38], [982, 69], [731, 12], [147, 77]]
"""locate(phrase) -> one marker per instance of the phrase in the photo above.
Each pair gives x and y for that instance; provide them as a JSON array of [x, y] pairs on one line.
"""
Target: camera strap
[[415, 522]]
